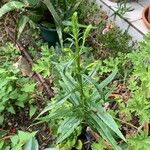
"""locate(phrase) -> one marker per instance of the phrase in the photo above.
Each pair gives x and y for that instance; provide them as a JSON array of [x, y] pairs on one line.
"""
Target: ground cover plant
[[88, 91]]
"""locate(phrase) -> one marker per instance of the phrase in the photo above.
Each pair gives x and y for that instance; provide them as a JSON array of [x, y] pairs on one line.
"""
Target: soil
[[22, 121]]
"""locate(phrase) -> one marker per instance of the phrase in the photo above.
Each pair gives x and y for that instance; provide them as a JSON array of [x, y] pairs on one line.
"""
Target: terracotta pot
[[146, 16]]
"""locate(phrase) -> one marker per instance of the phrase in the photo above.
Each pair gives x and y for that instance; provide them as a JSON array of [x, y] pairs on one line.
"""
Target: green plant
[[78, 101], [114, 41], [137, 104], [98, 145], [139, 141], [20, 139], [140, 61], [65, 8], [43, 64], [15, 90], [31, 13], [122, 8], [139, 84]]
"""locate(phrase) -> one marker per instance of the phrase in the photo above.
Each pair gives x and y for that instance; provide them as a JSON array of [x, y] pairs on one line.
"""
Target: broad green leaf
[[10, 6], [1, 108], [25, 136], [28, 87], [67, 128], [32, 110], [14, 140], [32, 144], [99, 145], [20, 104], [1, 144], [21, 25], [11, 110]]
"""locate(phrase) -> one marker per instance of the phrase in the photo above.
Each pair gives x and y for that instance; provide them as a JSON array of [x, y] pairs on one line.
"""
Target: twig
[[145, 126], [126, 123], [6, 137], [39, 78]]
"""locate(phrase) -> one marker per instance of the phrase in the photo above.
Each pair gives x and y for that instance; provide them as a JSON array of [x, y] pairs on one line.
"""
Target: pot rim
[[47, 28], [144, 18]]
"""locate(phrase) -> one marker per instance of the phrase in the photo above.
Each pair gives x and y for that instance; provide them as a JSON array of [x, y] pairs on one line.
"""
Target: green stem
[[79, 76]]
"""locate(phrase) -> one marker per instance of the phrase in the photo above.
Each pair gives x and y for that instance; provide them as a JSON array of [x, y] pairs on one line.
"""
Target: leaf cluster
[[15, 90], [78, 101]]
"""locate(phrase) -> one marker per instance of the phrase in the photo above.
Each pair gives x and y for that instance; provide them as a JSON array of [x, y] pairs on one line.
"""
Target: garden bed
[[88, 91]]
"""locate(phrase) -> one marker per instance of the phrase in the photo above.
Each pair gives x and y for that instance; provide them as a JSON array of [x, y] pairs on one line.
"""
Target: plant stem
[[127, 123], [78, 64], [79, 75]]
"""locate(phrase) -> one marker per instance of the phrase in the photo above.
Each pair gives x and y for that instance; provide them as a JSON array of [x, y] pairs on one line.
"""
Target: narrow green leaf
[[67, 128], [55, 105], [10, 6], [52, 148], [102, 129], [72, 9], [86, 33], [94, 71], [57, 19], [21, 25], [33, 2], [89, 79], [69, 23], [108, 79], [69, 83], [1, 144], [104, 83], [1, 119], [32, 110], [75, 26], [60, 113], [108, 120]]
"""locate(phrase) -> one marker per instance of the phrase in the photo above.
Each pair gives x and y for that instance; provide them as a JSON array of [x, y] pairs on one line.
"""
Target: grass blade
[[10, 6]]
